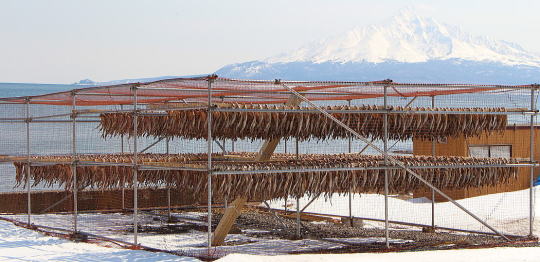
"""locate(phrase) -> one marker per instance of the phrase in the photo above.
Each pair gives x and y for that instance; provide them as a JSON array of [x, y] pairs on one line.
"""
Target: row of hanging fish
[[306, 123], [304, 174]]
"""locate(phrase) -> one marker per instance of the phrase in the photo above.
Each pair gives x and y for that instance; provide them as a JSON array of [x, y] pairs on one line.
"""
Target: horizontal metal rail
[[381, 111], [344, 169], [155, 112], [268, 171], [48, 121]]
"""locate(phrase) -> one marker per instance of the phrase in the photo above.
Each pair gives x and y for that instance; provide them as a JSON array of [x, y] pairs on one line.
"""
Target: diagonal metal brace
[[393, 160]]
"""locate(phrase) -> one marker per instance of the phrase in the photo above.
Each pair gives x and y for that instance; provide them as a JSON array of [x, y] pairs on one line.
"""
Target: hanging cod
[[284, 175], [306, 123]]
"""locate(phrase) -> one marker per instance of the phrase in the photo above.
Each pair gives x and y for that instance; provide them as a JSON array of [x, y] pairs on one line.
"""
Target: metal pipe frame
[[135, 166], [397, 162], [49, 121], [532, 152], [411, 101], [168, 184], [28, 190], [350, 189], [386, 178], [433, 153], [310, 202], [74, 159], [153, 144], [388, 111], [266, 171], [123, 178], [298, 233], [209, 167], [221, 146], [83, 112]]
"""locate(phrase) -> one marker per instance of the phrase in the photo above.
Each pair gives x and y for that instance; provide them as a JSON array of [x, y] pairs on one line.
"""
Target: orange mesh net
[[246, 91]]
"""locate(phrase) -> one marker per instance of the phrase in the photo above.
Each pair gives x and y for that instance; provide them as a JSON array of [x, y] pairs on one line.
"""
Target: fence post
[[168, 183], [385, 149], [531, 189], [75, 186], [135, 167], [350, 188], [209, 151], [28, 194], [123, 178], [433, 153]]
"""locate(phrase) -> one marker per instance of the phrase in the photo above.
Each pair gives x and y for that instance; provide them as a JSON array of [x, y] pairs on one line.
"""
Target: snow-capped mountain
[[407, 47], [409, 38]]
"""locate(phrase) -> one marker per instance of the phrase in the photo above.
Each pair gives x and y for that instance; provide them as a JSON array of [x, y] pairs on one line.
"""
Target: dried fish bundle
[[307, 174], [306, 123]]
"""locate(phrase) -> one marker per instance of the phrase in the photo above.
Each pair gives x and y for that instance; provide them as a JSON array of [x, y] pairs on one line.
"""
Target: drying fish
[[298, 176], [403, 123]]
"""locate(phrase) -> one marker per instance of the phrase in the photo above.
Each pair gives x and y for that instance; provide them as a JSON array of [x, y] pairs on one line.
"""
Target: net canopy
[[248, 91]]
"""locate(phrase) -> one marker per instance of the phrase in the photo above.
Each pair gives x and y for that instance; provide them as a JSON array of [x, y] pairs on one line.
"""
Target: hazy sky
[[63, 41]]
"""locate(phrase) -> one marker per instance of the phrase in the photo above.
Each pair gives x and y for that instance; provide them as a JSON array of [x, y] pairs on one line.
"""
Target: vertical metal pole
[[122, 136], [385, 148], [224, 151], [74, 159], [123, 178], [531, 188], [135, 167], [210, 150], [298, 217], [433, 153], [350, 188], [28, 196], [350, 138], [297, 149], [285, 144], [168, 183]]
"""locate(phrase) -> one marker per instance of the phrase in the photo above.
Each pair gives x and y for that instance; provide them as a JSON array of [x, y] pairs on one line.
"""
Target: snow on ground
[[505, 254], [192, 242], [507, 212], [20, 244]]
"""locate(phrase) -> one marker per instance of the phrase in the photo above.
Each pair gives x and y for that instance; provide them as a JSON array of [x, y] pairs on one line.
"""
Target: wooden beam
[[269, 146], [227, 221], [234, 210]]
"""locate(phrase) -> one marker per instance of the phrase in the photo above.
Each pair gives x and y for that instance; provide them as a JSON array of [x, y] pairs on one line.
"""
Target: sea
[[55, 138]]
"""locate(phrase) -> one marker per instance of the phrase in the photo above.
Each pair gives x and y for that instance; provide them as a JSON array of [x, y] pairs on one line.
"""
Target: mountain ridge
[[408, 37], [406, 48]]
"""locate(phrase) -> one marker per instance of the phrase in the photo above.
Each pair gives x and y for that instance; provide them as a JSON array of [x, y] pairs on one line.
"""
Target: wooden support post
[[233, 211], [227, 221]]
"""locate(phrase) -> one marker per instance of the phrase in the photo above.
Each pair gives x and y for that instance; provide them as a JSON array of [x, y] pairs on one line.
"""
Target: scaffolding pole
[[298, 233], [385, 148], [123, 178], [75, 186], [28, 193], [350, 189], [168, 184], [433, 153], [135, 167], [210, 149], [396, 162], [531, 189]]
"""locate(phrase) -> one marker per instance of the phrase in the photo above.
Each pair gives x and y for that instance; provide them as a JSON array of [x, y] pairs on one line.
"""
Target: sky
[[64, 41]]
